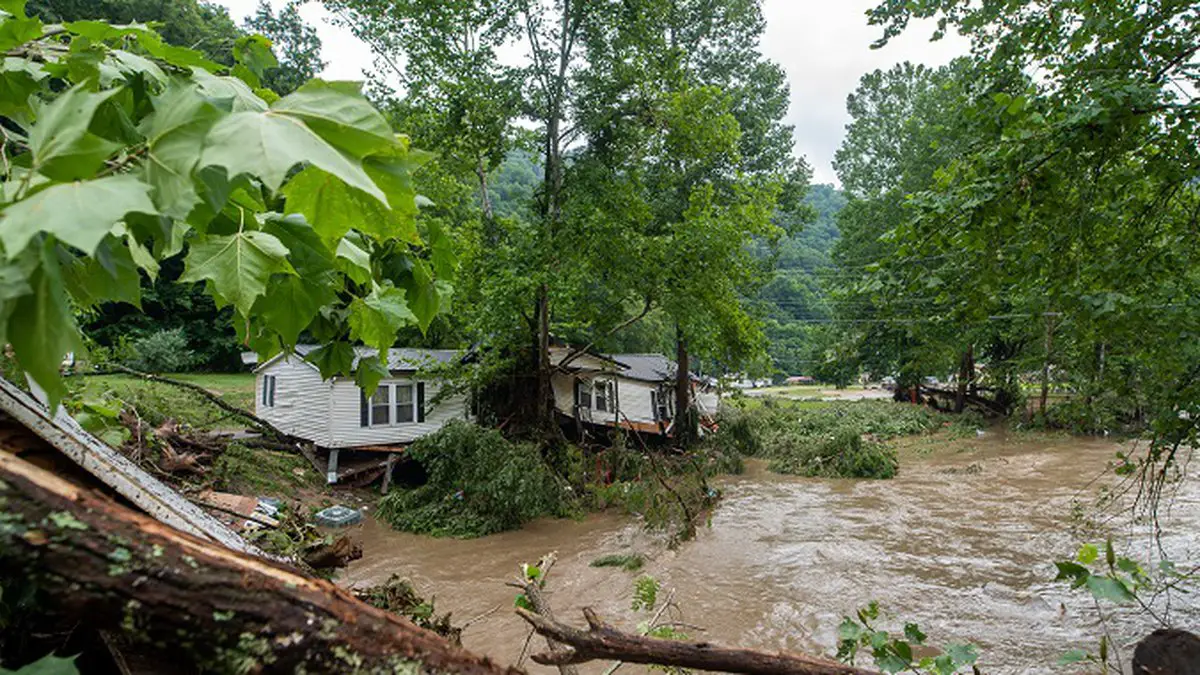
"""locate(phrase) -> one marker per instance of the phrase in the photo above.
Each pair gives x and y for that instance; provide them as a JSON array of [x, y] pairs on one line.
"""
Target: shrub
[[827, 439], [478, 483], [165, 351], [844, 455], [1103, 413], [630, 562]]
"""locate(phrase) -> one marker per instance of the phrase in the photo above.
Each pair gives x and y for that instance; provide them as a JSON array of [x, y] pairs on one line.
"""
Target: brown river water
[[961, 544]]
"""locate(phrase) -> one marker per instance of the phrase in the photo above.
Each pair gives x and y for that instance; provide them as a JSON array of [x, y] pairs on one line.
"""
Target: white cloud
[[823, 45], [346, 57]]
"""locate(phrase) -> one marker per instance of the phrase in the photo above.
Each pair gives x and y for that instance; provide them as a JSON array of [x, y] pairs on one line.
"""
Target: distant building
[[744, 382], [799, 379]]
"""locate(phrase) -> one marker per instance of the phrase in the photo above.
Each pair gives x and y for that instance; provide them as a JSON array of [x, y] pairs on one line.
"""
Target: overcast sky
[[824, 45]]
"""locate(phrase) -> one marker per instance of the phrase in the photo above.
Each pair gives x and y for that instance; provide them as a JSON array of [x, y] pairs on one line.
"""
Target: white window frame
[[268, 391], [605, 386], [412, 403], [386, 405], [393, 405]]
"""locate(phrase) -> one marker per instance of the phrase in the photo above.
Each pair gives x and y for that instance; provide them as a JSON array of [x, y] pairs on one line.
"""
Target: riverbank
[[962, 542]]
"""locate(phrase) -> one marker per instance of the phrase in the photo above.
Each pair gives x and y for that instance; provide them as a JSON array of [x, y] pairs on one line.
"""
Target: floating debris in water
[[337, 516]]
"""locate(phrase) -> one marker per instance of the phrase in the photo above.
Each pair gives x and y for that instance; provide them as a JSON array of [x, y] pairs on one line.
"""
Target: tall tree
[[691, 144], [295, 43], [660, 148], [199, 25], [1089, 171]]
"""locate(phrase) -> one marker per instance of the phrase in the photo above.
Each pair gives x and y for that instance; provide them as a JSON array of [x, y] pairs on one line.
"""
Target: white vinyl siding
[[564, 393], [709, 402], [299, 399], [634, 396], [345, 426]]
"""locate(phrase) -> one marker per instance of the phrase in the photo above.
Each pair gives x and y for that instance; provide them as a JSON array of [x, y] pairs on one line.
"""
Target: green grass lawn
[[234, 388], [158, 401]]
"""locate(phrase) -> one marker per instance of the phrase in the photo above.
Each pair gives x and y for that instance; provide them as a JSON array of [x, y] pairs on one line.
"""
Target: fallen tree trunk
[[985, 405], [603, 642], [108, 568], [258, 422]]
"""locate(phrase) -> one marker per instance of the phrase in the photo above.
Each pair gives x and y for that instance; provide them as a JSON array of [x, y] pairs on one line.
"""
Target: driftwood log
[[108, 568], [532, 588], [603, 642]]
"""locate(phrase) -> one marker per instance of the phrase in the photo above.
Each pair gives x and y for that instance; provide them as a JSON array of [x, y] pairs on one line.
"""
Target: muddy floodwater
[[962, 544]]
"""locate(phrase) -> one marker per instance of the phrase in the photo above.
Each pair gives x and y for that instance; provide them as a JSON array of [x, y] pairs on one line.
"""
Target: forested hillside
[[795, 300]]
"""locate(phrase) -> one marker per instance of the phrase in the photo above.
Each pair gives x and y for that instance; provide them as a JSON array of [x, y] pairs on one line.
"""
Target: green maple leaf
[[291, 303], [230, 90], [111, 275], [371, 370], [268, 144], [59, 143], [334, 358], [79, 214], [333, 208], [47, 665], [393, 172], [309, 255], [340, 114], [45, 326], [18, 30], [175, 136], [376, 318], [254, 52], [238, 265], [353, 261]]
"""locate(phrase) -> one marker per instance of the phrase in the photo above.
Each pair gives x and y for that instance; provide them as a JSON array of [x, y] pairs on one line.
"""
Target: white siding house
[[634, 391], [335, 413]]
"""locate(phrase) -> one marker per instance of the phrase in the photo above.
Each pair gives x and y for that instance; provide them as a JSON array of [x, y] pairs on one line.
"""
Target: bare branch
[[603, 642]]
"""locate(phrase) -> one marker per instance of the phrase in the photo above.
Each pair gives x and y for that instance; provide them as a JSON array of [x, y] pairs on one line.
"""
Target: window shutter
[[654, 404], [577, 393], [364, 411], [420, 401]]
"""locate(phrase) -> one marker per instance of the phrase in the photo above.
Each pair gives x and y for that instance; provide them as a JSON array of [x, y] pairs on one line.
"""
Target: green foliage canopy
[[122, 151]]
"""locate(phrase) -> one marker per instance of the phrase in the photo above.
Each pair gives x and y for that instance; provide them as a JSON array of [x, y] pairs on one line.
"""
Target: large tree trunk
[[490, 231], [685, 421], [1046, 364], [104, 567], [966, 378], [545, 388]]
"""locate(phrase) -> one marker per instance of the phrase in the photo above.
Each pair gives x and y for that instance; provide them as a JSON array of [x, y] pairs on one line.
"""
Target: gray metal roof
[[647, 367], [402, 358]]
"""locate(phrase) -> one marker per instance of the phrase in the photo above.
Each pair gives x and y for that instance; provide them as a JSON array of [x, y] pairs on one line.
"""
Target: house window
[[381, 406], [603, 395], [660, 404], [408, 400], [268, 391], [585, 395], [405, 404]]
